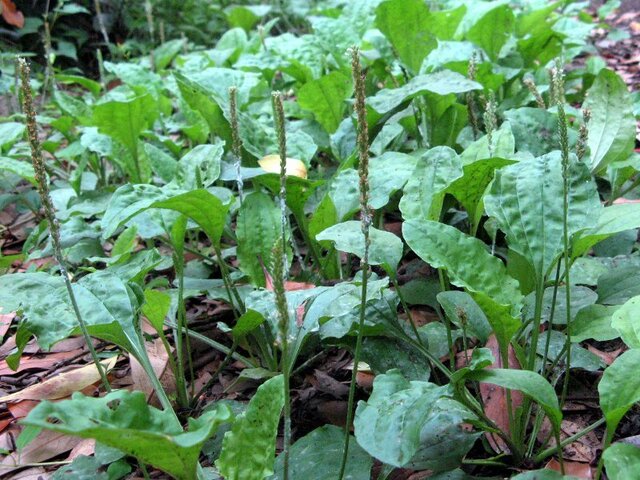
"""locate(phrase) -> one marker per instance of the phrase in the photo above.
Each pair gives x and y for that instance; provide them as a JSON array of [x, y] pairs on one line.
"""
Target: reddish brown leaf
[[575, 469], [494, 398], [11, 14], [21, 409]]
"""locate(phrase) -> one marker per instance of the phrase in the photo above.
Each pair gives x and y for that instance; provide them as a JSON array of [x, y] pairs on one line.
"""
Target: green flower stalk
[[533, 88], [583, 137], [471, 98], [236, 146], [49, 211], [490, 120], [279, 275], [278, 110], [558, 88], [365, 216]]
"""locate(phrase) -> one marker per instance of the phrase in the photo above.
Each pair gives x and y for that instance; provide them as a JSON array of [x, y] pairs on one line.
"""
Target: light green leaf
[[201, 206], [156, 308], [258, 227], [420, 417], [200, 168], [385, 248], [465, 259], [617, 286], [612, 128], [440, 83], [162, 164], [594, 322], [502, 146], [465, 313], [423, 194], [535, 130], [470, 188], [123, 420], [18, 167], [526, 200], [317, 456], [387, 174], [619, 388], [10, 133], [611, 220], [103, 299], [325, 98], [529, 383], [413, 30], [493, 30], [125, 118], [625, 321], [622, 461], [248, 450]]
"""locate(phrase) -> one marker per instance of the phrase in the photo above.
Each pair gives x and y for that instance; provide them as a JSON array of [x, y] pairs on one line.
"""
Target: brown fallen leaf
[[21, 409], [160, 363], [494, 398], [5, 323], [61, 385], [575, 469], [46, 445], [38, 362], [607, 357], [35, 473]]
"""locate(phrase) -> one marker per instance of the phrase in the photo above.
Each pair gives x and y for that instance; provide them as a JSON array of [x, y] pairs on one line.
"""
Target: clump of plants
[[331, 187]]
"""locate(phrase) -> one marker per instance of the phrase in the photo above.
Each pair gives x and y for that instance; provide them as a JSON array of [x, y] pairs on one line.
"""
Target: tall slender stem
[[54, 228], [280, 273], [365, 216]]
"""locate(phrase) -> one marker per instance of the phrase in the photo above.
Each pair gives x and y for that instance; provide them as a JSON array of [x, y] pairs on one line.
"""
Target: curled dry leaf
[[496, 406], [294, 168], [61, 385]]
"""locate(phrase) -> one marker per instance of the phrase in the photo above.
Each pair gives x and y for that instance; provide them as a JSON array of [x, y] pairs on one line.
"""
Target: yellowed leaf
[[294, 167]]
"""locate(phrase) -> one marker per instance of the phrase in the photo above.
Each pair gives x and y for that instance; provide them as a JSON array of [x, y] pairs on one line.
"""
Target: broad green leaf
[[421, 418], [529, 383], [201, 206], [423, 194], [465, 313], [383, 354], [248, 450], [164, 54], [502, 146], [465, 259], [123, 420], [617, 286], [317, 456], [612, 128], [581, 297], [594, 322], [200, 168], [204, 208], [18, 167], [470, 188], [501, 317], [440, 83], [413, 29], [535, 130], [544, 474], [104, 301], [625, 321], [493, 30], [10, 133], [526, 200], [387, 174], [156, 308], [258, 227], [125, 117], [162, 164], [611, 220], [619, 388], [385, 248], [325, 98], [622, 461]]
